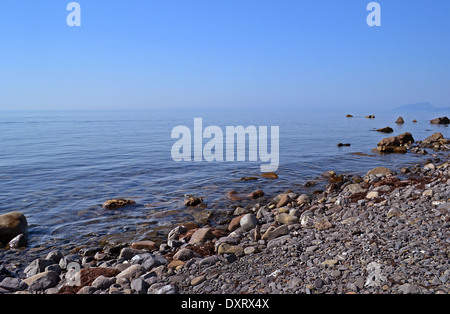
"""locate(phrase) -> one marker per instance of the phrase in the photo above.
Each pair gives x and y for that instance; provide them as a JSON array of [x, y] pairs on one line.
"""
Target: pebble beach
[[381, 232]]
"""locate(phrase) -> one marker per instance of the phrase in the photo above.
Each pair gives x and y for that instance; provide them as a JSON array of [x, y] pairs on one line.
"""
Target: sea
[[59, 167]]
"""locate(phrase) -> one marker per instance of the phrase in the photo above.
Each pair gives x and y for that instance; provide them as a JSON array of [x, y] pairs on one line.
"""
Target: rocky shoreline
[[380, 232]]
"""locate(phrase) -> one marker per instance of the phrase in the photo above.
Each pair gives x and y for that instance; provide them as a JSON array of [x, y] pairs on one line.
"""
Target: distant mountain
[[421, 106]]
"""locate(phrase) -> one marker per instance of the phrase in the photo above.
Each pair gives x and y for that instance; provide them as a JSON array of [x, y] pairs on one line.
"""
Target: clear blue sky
[[145, 54]]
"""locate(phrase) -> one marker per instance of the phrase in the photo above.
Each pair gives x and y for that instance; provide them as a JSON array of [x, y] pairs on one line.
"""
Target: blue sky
[[284, 54]]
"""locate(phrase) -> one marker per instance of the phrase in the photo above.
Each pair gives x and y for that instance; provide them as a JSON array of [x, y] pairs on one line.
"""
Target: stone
[[198, 280], [273, 232], [42, 281], [256, 194], [329, 262], [139, 286], [37, 266], [385, 130], [193, 201], [225, 248], [235, 223], [117, 203], [88, 275], [11, 225], [380, 171], [284, 200], [353, 188], [408, 288], [440, 120], [201, 235], [141, 245], [287, 219], [400, 120], [323, 224], [134, 271], [269, 175], [19, 241], [318, 283], [303, 199], [371, 116], [175, 263], [12, 284], [371, 195], [248, 222], [102, 282], [185, 254]]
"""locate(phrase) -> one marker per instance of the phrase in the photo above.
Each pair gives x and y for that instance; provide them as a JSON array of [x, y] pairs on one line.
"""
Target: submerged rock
[[385, 130], [440, 120]]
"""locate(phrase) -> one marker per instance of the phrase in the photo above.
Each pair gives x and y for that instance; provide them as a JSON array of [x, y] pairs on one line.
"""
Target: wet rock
[[11, 225], [440, 120], [400, 120], [117, 203], [395, 144], [201, 235], [256, 194], [385, 130], [19, 241], [371, 116]]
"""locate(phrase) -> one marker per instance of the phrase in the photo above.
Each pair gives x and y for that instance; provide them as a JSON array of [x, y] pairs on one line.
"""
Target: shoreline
[[374, 233]]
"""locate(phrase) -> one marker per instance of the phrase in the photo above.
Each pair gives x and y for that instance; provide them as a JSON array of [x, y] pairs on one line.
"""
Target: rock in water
[[441, 120], [248, 222], [193, 201], [400, 120], [11, 225], [117, 203], [392, 144]]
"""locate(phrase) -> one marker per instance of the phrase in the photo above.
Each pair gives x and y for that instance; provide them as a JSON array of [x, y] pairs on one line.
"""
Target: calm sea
[[57, 168]]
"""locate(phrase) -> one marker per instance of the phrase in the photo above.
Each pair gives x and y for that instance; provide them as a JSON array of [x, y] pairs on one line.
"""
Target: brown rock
[[117, 203], [235, 223], [201, 235], [441, 120], [385, 130], [256, 194], [88, 275], [140, 245], [269, 175], [285, 199], [11, 225]]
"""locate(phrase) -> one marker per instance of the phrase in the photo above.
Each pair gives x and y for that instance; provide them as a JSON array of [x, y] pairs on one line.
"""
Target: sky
[[223, 54]]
